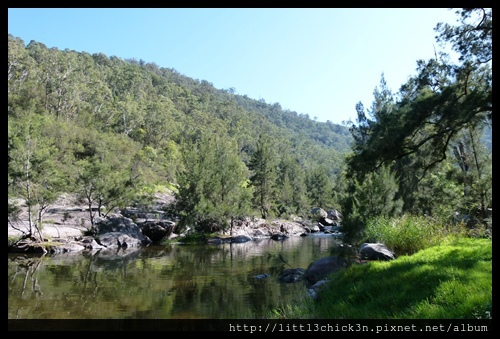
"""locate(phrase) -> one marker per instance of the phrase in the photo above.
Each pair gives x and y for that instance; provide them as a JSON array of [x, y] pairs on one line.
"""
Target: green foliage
[[475, 163], [292, 196], [409, 233], [452, 280], [103, 172], [472, 39], [439, 113], [263, 165], [33, 173], [91, 104], [318, 187], [210, 189], [375, 196], [133, 123]]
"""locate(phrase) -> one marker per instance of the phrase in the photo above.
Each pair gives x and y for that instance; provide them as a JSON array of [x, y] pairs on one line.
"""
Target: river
[[226, 281]]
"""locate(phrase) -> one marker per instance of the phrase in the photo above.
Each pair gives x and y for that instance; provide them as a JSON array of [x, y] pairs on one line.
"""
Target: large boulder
[[335, 215], [157, 230], [122, 240], [279, 236], [322, 267], [375, 251], [116, 232], [240, 239], [318, 214], [226, 240]]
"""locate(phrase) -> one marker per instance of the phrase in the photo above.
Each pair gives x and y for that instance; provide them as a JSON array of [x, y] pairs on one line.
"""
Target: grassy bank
[[444, 275]]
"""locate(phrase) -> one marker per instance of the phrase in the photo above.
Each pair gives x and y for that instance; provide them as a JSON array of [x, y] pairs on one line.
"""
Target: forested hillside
[[116, 130]]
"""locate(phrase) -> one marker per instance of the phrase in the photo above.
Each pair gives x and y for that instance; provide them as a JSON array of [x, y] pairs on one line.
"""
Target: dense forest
[[116, 131]]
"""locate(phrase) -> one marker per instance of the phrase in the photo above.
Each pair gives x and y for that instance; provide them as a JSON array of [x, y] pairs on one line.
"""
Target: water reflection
[[173, 282]]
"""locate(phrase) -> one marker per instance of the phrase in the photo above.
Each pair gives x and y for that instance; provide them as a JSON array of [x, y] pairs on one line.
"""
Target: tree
[[292, 195], [102, 186], [153, 113], [433, 106], [475, 163], [32, 171], [375, 196], [104, 172], [212, 187], [414, 133], [438, 195], [472, 39], [319, 187], [20, 65], [263, 164]]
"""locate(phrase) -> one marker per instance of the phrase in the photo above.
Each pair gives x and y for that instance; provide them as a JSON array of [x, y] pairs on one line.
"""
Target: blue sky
[[315, 61]]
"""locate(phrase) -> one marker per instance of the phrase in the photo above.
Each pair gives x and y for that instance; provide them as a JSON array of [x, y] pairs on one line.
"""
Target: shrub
[[409, 233]]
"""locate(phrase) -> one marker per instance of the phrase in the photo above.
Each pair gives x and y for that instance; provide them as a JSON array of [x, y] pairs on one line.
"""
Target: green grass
[[449, 281], [445, 274], [408, 234]]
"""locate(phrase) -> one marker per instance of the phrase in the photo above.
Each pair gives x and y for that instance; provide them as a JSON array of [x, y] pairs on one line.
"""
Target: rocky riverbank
[[67, 228]]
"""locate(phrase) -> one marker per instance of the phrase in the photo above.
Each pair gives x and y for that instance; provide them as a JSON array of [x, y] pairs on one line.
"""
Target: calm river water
[[162, 282]]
